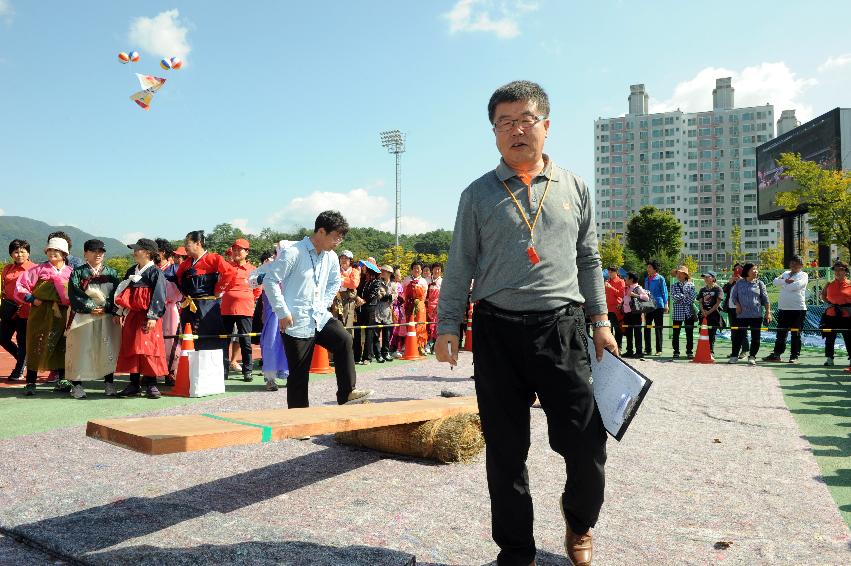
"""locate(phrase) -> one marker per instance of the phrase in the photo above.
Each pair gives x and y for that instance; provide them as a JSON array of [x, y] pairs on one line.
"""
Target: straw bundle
[[451, 439]]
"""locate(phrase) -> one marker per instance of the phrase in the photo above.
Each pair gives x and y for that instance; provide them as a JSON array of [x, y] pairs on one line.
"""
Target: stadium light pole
[[394, 141]]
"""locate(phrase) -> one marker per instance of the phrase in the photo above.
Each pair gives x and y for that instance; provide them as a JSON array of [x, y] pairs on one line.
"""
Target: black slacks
[[243, 326], [632, 321], [657, 319], [15, 327], [675, 340], [617, 329], [514, 360], [839, 325], [740, 336], [337, 340], [789, 319], [733, 319]]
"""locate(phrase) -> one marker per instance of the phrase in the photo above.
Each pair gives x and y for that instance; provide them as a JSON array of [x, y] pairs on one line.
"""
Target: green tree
[[631, 262], [120, 264], [736, 245], [772, 258], [652, 233], [222, 237], [826, 193], [611, 251], [691, 263], [435, 242]]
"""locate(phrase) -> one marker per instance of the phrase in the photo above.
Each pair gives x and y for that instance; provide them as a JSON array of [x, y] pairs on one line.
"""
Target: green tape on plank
[[266, 431]]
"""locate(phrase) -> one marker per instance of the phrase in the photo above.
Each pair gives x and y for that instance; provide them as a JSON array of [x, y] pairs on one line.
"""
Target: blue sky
[[277, 111]]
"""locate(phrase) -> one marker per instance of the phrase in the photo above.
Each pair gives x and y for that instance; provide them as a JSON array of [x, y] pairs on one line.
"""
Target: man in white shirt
[[793, 309]]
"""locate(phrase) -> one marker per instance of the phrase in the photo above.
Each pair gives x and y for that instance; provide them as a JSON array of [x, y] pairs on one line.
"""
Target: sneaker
[[52, 377], [388, 358], [658, 352], [29, 389], [691, 356], [16, 374], [752, 360], [358, 396], [77, 392], [772, 357], [676, 356], [793, 360], [151, 392], [380, 360], [828, 362], [271, 386], [109, 390], [247, 377], [742, 355], [398, 355], [130, 391], [733, 359], [62, 386]]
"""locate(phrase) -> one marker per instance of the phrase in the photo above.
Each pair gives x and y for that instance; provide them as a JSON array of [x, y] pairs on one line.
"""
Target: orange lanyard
[[534, 258], [530, 225]]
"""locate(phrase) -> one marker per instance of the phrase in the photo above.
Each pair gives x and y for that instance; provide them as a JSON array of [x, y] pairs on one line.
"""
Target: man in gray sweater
[[525, 232]]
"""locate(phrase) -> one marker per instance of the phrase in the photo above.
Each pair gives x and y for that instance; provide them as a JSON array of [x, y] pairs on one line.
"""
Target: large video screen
[[818, 140]]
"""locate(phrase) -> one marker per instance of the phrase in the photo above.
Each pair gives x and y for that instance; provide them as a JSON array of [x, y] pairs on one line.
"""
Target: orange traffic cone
[[181, 380], [412, 345], [319, 361], [704, 353], [468, 335]]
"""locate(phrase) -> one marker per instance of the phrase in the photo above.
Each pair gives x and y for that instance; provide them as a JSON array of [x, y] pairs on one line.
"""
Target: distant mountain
[[36, 231]]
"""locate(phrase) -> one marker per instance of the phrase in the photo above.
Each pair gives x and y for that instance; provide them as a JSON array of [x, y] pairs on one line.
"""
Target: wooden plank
[[167, 435]]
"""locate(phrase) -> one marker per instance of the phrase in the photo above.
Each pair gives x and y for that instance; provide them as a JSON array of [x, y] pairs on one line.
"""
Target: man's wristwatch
[[601, 324]]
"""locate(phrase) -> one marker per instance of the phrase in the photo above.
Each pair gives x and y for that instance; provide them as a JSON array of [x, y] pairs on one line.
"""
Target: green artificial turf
[[820, 399]]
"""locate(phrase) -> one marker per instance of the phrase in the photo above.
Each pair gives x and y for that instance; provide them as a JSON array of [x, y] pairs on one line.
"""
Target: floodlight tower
[[394, 141]]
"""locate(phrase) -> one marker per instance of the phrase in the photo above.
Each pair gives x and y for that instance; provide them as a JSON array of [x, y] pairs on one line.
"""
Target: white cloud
[[2, 212], [475, 15], [407, 225], [360, 208], [7, 11], [242, 224], [773, 83], [835, 62], [132, 237], [164, 35]]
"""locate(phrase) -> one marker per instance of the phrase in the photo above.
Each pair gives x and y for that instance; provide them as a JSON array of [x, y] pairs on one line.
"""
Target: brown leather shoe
[[578, 547]]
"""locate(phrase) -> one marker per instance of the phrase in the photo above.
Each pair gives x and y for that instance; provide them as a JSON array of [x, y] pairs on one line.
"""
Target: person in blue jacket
[[658, 289]]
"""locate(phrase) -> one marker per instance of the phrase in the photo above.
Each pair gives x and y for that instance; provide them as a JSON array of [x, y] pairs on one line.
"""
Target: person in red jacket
[[614, 300], [238, 302], [13, 315]]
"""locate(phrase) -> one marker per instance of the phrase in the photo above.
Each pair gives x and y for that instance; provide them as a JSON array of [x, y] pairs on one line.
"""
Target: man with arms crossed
[[309, 273], [525, 232]]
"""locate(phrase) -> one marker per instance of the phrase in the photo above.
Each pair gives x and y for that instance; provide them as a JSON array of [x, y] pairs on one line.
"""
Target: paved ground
[[713, 457]]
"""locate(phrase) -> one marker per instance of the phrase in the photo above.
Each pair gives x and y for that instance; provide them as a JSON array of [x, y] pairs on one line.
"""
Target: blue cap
[[709, 273]]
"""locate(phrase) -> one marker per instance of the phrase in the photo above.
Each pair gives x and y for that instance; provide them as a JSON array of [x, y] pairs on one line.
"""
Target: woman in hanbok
[[202, 278], [415, 311], [272, 353], [432, 298], [173, 297], [94, 329], [45, 287], [397, 340], [142, 295]]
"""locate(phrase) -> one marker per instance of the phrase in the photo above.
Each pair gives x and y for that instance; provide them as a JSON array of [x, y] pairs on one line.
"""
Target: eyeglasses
[[337, 238], [525, 123]]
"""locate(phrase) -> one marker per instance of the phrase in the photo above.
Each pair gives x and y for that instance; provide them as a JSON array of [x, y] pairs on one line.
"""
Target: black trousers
[[689, 326], [384, 335], [15, 327], [616, 328], [733, 318], [714, 321], [632, 321], [369, 334], [243, 326], [739, 336], [789, 319], [839, 325], [337, 340], [656, 318], [514, 361]]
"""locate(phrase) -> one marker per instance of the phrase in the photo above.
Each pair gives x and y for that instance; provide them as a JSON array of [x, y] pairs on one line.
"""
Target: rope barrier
[[805, 329], [252, 334]]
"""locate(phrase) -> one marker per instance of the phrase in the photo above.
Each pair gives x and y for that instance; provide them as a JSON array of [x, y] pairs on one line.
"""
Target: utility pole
[[394, 141]]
